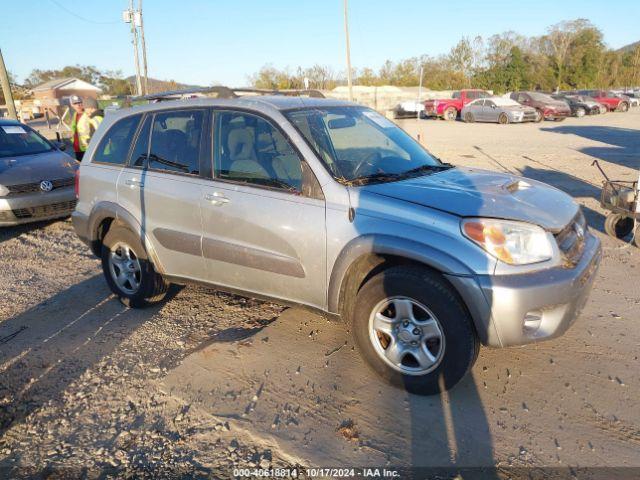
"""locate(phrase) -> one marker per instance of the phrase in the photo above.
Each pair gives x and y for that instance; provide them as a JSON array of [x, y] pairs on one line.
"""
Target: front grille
[[571, 239], [45, 210], [35, 186]]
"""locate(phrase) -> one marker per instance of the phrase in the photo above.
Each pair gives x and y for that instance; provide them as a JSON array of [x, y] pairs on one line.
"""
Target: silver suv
[[329, 205]]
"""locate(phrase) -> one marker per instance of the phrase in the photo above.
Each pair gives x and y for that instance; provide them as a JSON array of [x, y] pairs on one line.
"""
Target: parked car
[[608, 99], [328, 204], [497, 110], [630, 98], [580, 105], [450, 108], [547, 107], [36, 176], [408, 110]]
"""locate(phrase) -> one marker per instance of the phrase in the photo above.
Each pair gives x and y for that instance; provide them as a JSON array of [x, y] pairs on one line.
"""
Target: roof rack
[[224, 92]]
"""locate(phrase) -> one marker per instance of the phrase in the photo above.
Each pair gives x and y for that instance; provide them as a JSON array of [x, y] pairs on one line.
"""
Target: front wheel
[[128, 271], [617, 225], [539, 116], [623, 107], [413, 330], [450, 114], [503, 119], [580, 112]]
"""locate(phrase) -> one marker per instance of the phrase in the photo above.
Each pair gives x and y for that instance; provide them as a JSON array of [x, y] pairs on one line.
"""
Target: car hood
[[517, 108], [469, 192], [35, 168]]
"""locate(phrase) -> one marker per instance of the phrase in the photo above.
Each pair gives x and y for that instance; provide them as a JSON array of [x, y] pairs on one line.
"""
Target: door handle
[[216, 198], [133, 183]]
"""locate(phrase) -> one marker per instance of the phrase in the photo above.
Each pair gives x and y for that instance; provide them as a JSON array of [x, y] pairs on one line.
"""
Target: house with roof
[[57, 92]]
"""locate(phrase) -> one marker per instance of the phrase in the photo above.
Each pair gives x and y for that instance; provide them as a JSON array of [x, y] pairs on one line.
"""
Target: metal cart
[[621, 198]]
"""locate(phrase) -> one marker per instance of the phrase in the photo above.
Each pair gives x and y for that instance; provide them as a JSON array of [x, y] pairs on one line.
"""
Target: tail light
[[77, 183]]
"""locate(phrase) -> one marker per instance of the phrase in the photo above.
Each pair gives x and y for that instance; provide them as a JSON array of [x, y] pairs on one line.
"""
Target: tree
[[560, 39]]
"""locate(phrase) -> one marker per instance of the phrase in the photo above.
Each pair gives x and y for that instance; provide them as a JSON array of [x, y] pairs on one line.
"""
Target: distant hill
[[156, 86], [629, 48]]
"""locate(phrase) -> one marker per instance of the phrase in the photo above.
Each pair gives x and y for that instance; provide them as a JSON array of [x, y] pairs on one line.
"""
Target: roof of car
[[9, 121], [279, 102], [259, 103]]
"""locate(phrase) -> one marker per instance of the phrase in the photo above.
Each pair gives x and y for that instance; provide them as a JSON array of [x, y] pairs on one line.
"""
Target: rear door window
[[175, 141], [141, 150], [116, 143]]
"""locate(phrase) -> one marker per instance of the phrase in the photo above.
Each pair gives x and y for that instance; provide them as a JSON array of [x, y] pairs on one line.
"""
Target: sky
[[207, 42]]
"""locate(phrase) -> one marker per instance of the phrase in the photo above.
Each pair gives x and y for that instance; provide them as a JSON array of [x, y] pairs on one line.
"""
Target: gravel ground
[[208, 381]]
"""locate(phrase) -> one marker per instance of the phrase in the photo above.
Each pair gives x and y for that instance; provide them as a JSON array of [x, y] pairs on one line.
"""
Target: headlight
[[4, 191], [514, 243]]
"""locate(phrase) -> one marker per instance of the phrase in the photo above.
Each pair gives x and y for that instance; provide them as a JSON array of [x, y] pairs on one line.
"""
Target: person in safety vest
[[88, 123], [78, 111]]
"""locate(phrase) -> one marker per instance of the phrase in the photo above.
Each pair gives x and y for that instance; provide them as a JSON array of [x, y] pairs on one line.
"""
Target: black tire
[[617, 225], [468, 117], [539, 116], [450, 114], [152, 287], [422, 115], [461, 344], [503, 119], [581, 112]]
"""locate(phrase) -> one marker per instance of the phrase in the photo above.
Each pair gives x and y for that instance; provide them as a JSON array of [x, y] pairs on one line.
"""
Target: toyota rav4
[[329, 205]]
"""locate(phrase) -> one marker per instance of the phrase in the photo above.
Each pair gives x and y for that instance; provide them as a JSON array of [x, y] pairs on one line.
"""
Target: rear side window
[[140, 151], [175, 141], [114, 146]]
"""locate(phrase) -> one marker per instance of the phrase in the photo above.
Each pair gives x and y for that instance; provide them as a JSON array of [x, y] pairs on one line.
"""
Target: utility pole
[[144, 50], [129, 16], [6, 89], [346, 34]]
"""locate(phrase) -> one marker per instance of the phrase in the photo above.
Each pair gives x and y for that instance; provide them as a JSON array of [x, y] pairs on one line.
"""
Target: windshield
[[16, 140], [358, 145]]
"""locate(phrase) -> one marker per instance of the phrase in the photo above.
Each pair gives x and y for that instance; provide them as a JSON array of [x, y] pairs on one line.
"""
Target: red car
[[450, 108], [608, 99]]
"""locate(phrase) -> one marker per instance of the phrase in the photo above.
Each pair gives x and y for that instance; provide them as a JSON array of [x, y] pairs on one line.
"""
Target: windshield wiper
[[427, 168], [374, 177], [383, 176]]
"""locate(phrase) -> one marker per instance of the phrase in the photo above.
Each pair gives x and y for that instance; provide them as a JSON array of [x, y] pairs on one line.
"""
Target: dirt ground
[[208, 381]]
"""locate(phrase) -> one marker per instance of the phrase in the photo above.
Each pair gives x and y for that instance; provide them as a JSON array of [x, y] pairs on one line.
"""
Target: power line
[[80, 17]]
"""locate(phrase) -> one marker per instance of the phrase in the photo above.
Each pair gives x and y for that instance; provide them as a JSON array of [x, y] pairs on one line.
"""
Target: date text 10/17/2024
[[315, 473]]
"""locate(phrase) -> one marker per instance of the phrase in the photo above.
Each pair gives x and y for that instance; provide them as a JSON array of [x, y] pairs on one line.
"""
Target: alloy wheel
[[124, 267], [406, 335]]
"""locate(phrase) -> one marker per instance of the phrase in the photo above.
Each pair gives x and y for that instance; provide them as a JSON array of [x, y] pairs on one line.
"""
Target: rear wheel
[[128, 271], [580, 112], [503, 119], [617, 225], [450, 114], [623, 107], [413, 330], [468, 117]]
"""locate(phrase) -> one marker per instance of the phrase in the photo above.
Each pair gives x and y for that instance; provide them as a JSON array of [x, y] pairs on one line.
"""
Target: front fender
[[388, 245]]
